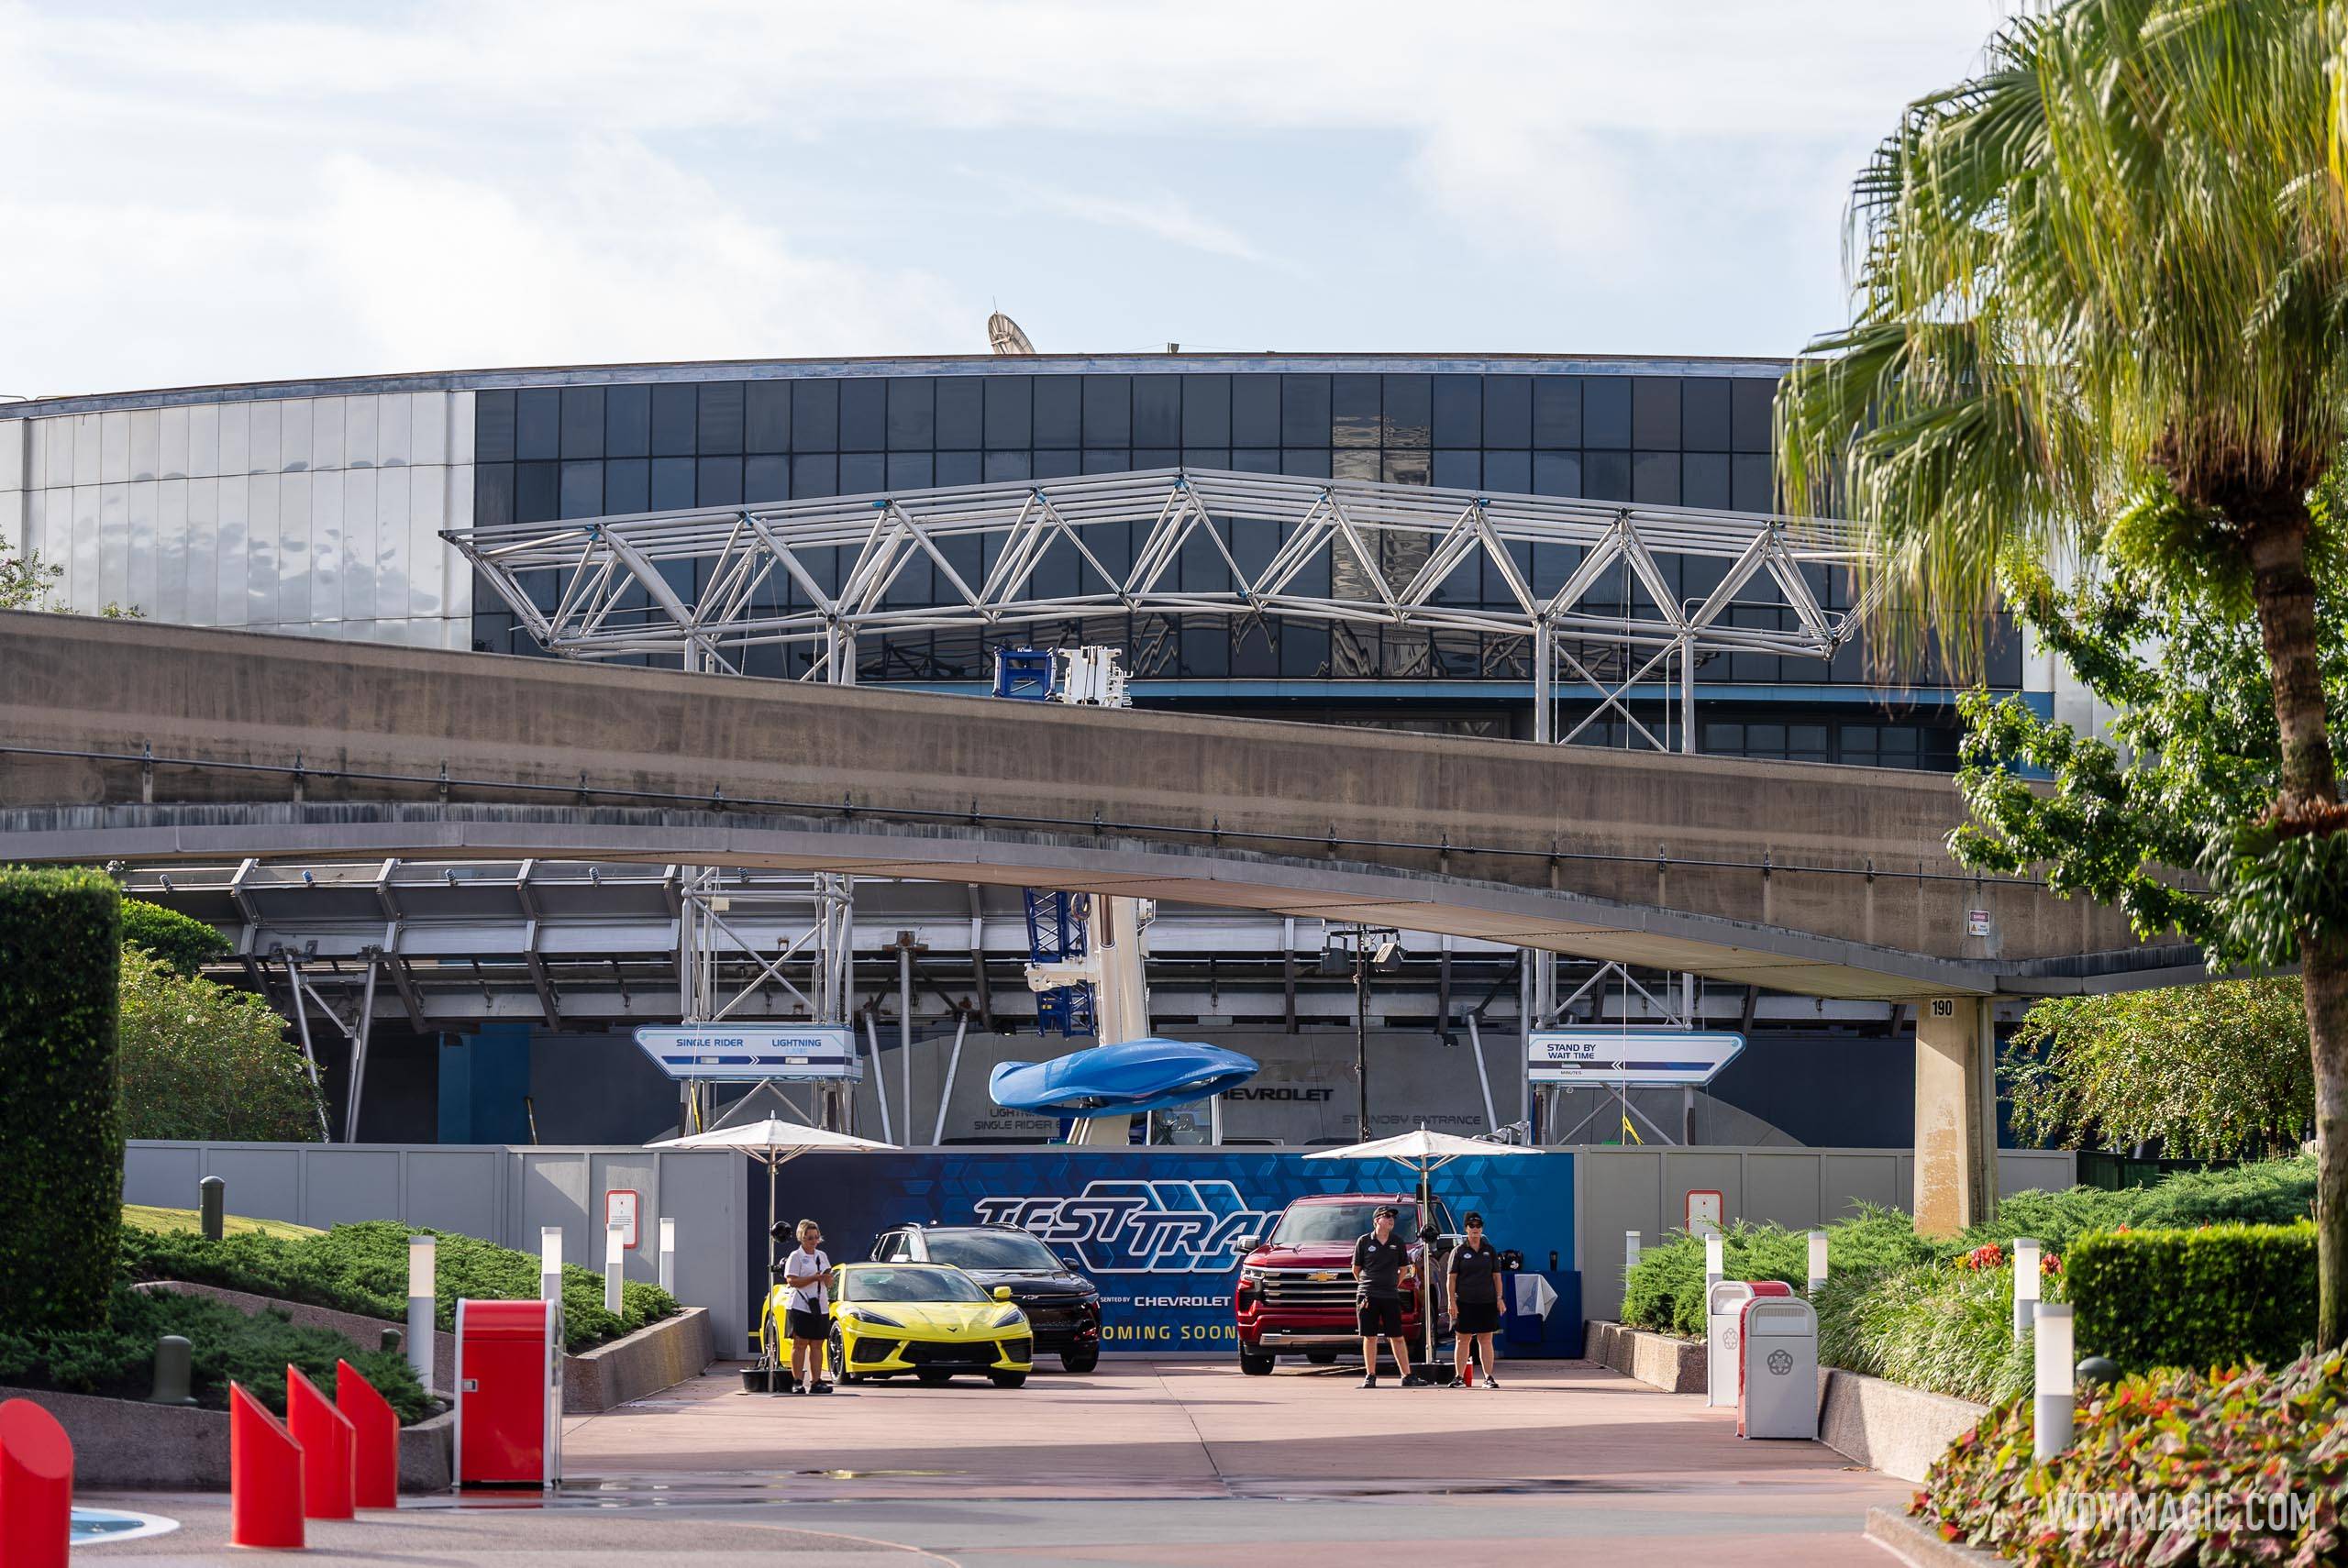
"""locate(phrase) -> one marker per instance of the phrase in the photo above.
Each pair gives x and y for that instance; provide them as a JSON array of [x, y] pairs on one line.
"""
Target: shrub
[[203, 1061], [2150, 1441], [118, 1358], [1947, 1327], [60, 1181], [2272, 1192], [1665, 1291], [2216, 1297], [180, 942], [363, 1268]]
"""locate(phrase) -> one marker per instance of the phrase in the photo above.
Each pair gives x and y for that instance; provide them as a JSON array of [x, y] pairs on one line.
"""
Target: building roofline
[[1218, 363]]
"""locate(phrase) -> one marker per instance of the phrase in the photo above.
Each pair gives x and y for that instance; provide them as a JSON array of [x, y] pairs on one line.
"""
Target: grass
[[147, 1217]]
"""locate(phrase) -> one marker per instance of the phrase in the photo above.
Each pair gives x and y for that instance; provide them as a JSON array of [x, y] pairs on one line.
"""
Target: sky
[[195, 193]]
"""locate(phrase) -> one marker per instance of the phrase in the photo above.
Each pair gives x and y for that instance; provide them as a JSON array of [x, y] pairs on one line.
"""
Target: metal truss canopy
[[1166, 542]]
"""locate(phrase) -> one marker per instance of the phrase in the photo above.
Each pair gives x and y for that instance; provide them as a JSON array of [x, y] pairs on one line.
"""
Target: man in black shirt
[[1378, 1260]]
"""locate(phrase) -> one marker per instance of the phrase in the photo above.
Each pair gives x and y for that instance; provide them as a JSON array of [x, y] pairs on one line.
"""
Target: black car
[[1064, 1306]]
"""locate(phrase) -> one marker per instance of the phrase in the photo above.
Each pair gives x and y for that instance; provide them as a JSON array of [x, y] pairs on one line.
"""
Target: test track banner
[[1155, 1229]]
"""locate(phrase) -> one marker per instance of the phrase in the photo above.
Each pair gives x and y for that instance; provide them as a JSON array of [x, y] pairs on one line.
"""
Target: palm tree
[[2101, 306]]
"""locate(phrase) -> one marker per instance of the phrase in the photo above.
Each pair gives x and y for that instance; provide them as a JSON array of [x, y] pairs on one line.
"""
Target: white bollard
[[1630, 1254], [551, 1263], [1817, 1261], [2055, 1405], [2026, 1279], [423, 1298], [1714, 1269], [669, 1255], [615, 1265]]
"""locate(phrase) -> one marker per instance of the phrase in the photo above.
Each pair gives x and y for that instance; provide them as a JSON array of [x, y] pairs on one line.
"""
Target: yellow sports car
[[927, 1320]]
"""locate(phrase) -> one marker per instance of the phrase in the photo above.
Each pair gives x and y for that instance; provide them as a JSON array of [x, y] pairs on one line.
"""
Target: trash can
[[509, 1393], [1722, 1305], [1777, 1374]]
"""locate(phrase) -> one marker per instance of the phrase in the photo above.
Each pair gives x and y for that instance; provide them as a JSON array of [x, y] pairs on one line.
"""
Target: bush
[[363, 1268], [1942, 1326], [180, 942], [2272, 1192], [201, 1061], [60, 1181], [2216, 1297], [118, 1358], [1665, 1291], [2166, 1437]]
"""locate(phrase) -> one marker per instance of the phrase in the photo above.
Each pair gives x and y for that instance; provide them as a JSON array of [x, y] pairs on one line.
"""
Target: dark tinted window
[[672, 483], [583, 488], [675, 412], [1557, 411], [766, 424], [864, 416], [627, 484], [813, 475], [1749, 403], [913, 414], [1108, 411], [1060, 411], [1158, 411], [1355, 412], [627, 422], [1458, 411], [1606, 476], [583, 422], [721, 417], [1409, 410], [1508, 473], [1508, 411], [1305, 1224], [765, 479], [1655, 413], [1703, 480], [494, 428], [1304, 411], [1655, 479], [1255, 411], [720, 482], [538, 422], [814, 422], [1605, 411], [1704, 414], [1009, 403], [992, 1249], [1206, 410], [537, 492], [961, 413]]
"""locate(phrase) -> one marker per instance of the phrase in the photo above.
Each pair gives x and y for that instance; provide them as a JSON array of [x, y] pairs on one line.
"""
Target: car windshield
[[992, 1249], [1307, 1224], [911, 1282]]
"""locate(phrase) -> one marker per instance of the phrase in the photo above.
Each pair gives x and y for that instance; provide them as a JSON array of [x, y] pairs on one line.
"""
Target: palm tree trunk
[[2309, 802]]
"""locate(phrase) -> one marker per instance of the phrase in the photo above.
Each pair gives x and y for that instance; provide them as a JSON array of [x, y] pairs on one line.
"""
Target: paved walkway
[[1165, 1462]]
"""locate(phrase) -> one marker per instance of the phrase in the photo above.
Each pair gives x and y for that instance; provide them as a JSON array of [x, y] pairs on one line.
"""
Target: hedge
[[2221, 1296], [180, 941], [60, 1184], [118, 1360], [363, 1268], [2160, 1451]]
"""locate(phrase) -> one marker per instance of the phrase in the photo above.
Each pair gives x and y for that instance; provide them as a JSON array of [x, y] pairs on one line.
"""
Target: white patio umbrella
[[770, 1142], [1424, 1153]]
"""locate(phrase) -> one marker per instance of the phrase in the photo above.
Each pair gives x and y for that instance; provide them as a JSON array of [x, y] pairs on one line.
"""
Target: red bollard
[[326, 1442], [264, 1476], [375, 1438], [35, 1487]]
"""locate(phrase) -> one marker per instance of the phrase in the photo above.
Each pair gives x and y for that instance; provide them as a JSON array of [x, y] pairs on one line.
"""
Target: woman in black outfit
[[1475, 1290]]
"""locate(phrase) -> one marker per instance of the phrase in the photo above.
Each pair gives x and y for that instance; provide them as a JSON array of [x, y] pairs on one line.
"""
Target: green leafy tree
[[2207, 1072], [26, 581], [181, 941], [2101, 305], [203, 1061]]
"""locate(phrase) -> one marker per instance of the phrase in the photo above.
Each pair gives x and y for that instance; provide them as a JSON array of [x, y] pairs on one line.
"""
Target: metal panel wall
[[501, 1193], [1646, 1190]]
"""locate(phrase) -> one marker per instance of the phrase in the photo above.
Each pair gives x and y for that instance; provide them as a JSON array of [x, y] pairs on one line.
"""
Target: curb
[[1659, 1361], [657, 1357], [1920, 1546]]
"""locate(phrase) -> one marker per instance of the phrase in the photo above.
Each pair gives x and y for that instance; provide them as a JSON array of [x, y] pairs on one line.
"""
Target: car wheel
[[1256, 1365], [1080, 1361], [1321, 1357], [837, 1352], [933, 1376], [1007, 1379]]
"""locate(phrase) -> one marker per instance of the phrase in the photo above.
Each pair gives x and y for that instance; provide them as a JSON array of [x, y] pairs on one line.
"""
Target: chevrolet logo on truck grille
[[1322, 1274]]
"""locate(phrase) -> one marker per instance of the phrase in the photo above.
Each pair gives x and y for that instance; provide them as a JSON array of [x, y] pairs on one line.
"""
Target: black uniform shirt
[[1478, 1269], [1381, 1266]]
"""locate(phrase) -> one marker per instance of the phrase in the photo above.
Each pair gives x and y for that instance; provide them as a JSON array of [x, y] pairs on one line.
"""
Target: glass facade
[[318, 510]]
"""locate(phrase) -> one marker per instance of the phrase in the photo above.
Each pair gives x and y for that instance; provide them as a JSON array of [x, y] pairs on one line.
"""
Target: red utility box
[[509, 1393]]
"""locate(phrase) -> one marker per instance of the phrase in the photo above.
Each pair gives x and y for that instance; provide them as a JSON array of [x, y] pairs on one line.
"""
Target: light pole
[[1381, 945]]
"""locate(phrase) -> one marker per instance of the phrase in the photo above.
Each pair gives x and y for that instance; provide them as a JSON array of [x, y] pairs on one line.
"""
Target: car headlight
[[866, 1315], [1251, 1276], [1011, 1317]]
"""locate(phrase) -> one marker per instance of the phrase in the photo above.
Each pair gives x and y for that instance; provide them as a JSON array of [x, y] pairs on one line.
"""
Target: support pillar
[[1956, 1148]]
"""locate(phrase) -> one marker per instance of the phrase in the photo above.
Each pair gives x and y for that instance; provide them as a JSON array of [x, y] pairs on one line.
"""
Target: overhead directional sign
[[740, 1053], [1617, 1057]]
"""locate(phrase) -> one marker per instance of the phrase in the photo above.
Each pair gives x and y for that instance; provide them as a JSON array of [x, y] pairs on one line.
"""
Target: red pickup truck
[[1295, 1295]]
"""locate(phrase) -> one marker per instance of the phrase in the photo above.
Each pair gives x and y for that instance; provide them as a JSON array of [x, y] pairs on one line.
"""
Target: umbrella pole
[[1426, 1275], [766, 1290]]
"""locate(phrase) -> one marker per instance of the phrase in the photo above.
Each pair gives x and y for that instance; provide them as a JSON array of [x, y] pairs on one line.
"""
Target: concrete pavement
[[1166, 1463]]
